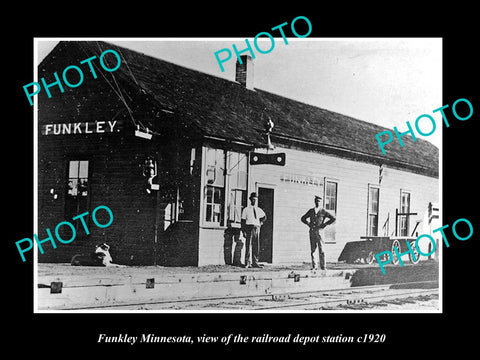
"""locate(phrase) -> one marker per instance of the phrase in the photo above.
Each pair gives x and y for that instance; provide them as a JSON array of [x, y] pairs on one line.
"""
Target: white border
[[35, 184]]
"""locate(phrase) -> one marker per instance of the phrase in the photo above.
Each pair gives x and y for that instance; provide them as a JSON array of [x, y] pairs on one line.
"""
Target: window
[[226, 187], [76, 200], [331, 197], [215, 187], [373, 200], [331, 189], [404, 209], [237, 185]]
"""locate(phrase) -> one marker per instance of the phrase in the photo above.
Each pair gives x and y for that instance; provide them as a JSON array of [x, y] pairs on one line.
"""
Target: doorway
[[265, 202]]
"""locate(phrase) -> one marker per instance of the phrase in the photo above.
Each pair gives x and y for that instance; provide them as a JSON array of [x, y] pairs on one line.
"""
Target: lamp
[[150, 171], [268, 126]]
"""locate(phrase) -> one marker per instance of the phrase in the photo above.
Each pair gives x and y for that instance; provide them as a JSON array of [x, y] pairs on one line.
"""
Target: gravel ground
[[418, 303], [46, 269], [414, 303]]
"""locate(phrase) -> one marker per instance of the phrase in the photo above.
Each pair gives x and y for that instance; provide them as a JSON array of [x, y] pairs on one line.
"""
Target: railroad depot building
[[174, 153]]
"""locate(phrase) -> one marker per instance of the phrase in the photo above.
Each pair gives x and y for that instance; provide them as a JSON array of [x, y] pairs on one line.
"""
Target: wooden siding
[[115, 180], [292, 200]]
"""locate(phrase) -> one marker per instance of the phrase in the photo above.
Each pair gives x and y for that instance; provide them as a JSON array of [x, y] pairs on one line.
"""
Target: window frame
[[213, 186], [369, 212], [331, 228], [406, 217], [333, 181], [68, 198], [226, 190]]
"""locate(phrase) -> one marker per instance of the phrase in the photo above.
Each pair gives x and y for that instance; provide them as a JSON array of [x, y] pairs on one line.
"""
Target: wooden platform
[[61, 286], [66, 287]]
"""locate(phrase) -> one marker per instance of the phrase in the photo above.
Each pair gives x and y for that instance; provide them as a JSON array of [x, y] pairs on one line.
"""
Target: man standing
[[315, 220], [252, 218]]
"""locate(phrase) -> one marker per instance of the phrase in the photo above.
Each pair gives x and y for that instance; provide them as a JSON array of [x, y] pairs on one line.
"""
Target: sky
[[386, 81]]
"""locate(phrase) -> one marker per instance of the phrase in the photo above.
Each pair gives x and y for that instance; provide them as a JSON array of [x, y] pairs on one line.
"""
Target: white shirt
[[252, 215]]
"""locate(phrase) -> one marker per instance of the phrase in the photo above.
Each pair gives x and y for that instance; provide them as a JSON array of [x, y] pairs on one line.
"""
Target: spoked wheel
[[386, 257], [415, 251], [395, 244], [370, 258]]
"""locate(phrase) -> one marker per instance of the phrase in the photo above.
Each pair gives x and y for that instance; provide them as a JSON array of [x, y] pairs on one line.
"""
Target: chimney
[[244, 71]]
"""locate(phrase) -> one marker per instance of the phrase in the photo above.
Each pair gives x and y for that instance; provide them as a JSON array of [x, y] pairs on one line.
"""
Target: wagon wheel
[[395, 244], [414, 250], [369, 258]]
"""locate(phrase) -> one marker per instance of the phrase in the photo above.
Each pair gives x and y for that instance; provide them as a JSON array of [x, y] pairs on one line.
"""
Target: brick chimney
[[244, 71]]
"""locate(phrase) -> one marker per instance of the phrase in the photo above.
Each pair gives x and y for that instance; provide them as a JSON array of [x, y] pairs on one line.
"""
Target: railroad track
[[354, 301], [351, 297]]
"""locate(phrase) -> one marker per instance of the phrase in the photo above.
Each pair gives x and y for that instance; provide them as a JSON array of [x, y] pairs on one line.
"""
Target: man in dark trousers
[[315, 220], [252, 218]]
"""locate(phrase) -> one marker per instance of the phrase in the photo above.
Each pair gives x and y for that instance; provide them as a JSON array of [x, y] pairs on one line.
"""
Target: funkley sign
[[301, 179], [92, 127]]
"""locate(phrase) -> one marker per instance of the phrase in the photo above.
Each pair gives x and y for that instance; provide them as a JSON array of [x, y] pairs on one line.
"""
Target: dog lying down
[[100, 257]]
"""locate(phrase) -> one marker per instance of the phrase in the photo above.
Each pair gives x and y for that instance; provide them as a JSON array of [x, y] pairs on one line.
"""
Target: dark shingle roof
[[226, 109]]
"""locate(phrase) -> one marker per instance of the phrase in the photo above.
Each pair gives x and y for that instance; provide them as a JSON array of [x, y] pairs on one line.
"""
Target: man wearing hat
[[315, 220], [252, 218]]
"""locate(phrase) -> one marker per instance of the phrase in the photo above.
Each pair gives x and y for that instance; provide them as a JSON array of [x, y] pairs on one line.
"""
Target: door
[[265, 202]]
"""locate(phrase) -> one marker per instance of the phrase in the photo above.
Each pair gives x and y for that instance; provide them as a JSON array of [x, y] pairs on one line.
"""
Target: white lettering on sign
[[302, 179], [92, 127]]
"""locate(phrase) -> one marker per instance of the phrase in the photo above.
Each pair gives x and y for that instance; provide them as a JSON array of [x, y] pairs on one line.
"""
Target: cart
[[365, 250]]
